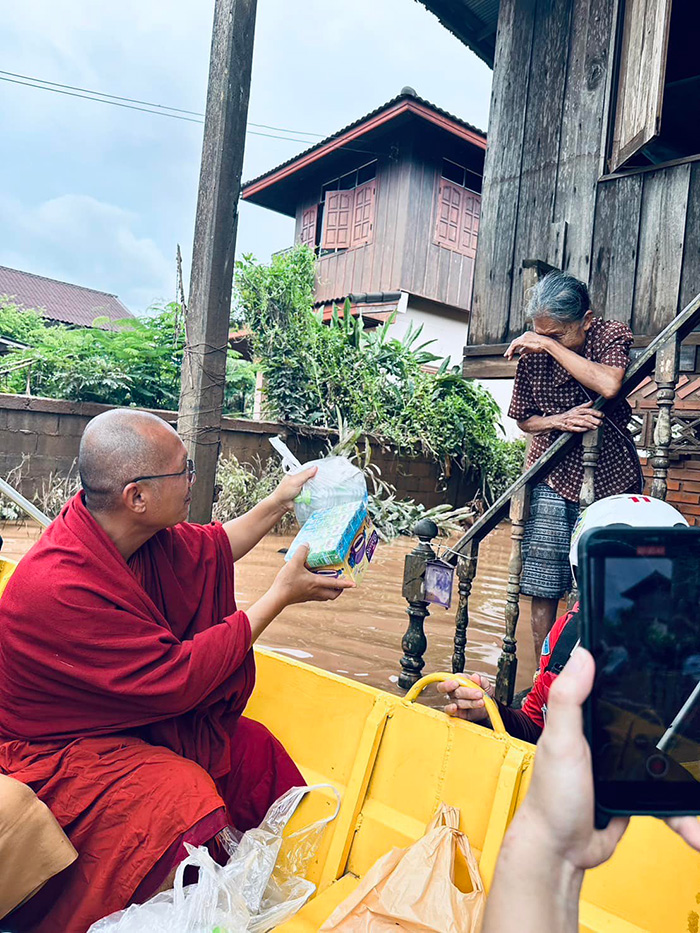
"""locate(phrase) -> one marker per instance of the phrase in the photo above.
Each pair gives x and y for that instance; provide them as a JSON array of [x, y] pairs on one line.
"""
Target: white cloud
[[104, 194], [79, 239]]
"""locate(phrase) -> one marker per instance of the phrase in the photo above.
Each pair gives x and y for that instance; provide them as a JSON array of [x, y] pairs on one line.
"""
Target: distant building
[[59, 301], [390, 204]]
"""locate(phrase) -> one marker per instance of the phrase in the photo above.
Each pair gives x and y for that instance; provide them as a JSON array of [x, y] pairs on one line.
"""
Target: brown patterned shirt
[[543, 387]]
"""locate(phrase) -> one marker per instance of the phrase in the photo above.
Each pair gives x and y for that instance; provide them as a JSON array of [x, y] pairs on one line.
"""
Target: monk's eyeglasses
[[189, 469]]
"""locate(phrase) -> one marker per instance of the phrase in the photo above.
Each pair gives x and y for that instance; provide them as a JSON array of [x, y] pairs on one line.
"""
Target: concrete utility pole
[[207, 327]]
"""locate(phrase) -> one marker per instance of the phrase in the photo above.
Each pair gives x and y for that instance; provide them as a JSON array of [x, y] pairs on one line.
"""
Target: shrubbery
[[317, 373]]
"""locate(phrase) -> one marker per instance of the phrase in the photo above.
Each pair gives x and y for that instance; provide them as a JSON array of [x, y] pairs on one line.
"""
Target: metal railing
[[659, 359]]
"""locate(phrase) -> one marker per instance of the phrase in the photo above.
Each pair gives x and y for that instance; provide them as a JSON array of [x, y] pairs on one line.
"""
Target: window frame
[[467, 194]]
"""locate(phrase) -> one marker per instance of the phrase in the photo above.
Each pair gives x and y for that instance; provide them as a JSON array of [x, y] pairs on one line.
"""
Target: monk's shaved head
[[119, 445]]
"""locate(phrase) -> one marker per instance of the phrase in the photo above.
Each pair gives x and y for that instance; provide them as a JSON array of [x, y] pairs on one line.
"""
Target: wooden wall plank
[[541, 144], [661, 236], [502, 168], [583, 130], [690, 273], [410, 260], [615, 244]]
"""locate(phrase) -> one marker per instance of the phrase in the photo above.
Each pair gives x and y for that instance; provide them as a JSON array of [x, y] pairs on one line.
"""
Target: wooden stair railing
[[660, 357]]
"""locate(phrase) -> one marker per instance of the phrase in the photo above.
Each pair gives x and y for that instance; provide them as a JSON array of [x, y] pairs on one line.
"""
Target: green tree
[[320, 374]]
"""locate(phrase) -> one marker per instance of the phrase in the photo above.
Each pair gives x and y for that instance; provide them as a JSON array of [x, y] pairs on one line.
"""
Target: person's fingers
[[468, 693], [298, 559], [566, 697], [303, 476], [447, 686], [474, 703], [453, 710], [688, 828], [606, 840]]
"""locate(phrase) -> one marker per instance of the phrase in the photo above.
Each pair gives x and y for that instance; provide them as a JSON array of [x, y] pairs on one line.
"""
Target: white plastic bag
[[337, 481], [261, 886]]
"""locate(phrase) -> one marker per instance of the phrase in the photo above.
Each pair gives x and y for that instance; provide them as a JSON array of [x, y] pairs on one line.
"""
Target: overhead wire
[[115, 100], [162, 110]]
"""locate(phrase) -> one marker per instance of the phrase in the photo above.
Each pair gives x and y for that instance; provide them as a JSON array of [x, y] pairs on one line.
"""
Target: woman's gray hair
[[558, 295]]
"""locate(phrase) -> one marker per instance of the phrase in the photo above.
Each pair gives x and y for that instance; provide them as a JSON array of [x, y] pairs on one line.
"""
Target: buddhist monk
[[125, 668]]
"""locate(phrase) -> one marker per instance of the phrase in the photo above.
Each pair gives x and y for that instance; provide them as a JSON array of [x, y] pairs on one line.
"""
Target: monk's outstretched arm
[[249, 529]]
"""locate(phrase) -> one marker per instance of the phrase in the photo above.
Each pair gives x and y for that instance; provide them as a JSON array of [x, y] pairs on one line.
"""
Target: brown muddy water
[[359, 635]]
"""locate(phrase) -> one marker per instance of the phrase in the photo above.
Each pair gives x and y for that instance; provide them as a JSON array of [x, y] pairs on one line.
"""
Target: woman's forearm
[[248, 530], [540, 424], [533, 889], [602, 379]]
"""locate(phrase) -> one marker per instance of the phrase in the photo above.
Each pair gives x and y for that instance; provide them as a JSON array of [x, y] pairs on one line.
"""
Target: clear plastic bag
[[261, 886], [337, 481]]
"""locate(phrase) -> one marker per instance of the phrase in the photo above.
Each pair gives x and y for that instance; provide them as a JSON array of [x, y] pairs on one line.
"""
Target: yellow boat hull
[[393, 762]]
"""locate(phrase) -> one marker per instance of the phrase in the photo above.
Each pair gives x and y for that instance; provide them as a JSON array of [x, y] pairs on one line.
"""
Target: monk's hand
[[467, 702], [295, 583], [529, 342], [290, 487]]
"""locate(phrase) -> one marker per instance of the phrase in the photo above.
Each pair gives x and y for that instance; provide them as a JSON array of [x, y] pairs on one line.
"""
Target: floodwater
[[359, 634]]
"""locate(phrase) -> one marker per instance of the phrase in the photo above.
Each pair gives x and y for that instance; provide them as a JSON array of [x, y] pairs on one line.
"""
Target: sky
[[100, 196]]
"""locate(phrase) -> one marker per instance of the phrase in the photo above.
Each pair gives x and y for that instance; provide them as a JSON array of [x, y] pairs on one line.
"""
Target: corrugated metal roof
[[60, 301], [474, 22], [406, 94]]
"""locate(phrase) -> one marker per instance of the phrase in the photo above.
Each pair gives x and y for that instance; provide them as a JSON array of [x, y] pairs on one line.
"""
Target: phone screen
[[644, 631]]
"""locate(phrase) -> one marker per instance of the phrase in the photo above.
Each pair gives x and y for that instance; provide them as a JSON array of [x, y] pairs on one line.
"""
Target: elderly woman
[[567, 360]]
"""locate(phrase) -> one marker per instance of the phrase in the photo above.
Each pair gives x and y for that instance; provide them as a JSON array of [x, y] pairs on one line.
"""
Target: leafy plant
[[131, 362], [315, 371]]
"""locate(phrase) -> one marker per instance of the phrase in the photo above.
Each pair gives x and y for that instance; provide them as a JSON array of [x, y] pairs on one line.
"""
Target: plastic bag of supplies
[[261, 886], [413, 889]]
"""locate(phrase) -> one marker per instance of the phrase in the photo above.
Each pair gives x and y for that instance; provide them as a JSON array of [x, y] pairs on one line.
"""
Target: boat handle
[[438, 677]]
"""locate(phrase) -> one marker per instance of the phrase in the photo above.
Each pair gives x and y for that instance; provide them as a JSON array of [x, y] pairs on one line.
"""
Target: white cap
[[630, 509]]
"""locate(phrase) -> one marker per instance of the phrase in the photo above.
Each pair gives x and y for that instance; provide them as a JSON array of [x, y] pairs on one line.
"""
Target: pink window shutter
[[363, 214], [308, 227], [339, 210], [449, 215], [470, 223]]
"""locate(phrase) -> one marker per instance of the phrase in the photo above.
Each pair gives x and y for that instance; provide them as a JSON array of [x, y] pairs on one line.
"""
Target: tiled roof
[[406, 94], [60, 301]]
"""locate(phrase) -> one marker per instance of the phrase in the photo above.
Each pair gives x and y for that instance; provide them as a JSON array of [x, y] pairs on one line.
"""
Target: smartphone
[[640, 618]]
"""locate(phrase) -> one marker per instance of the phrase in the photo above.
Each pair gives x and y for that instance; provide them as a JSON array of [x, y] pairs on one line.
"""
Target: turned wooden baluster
[[591, 453], [508, 661], [414, 641], [466, 571], [666, 376]]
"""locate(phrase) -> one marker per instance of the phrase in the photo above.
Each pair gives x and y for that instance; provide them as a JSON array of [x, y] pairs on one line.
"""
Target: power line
[[128, 102], [160, 110]]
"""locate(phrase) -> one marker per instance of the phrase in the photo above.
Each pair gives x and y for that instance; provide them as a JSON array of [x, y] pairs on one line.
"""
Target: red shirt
[[527, 723]]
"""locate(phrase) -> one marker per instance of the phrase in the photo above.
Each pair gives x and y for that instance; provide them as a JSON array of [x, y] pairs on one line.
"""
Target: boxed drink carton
[[341, 540]]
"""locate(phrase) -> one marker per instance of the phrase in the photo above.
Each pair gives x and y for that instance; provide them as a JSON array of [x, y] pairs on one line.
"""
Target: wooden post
[[666, 376], [508, 661], [414, 641], [207, 325], [590, 454], [466, 571]]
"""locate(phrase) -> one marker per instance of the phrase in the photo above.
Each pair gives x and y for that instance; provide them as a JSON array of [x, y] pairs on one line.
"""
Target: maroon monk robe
[[121, 693]]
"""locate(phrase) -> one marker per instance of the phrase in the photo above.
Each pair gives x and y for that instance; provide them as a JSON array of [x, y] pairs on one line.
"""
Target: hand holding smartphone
[[640, 612]]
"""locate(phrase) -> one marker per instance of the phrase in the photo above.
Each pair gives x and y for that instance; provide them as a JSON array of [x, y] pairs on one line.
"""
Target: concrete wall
[[47, 432]]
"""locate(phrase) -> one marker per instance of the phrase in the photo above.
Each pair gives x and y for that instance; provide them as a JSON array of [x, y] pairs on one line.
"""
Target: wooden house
[[592, 164], [391, 206]]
